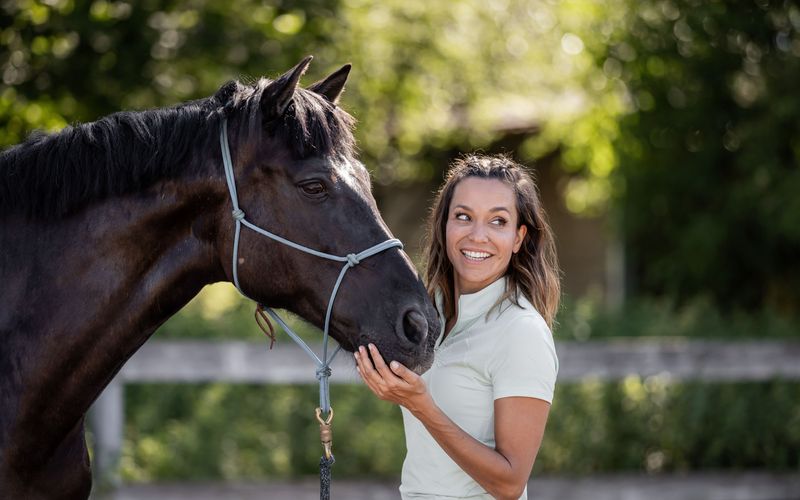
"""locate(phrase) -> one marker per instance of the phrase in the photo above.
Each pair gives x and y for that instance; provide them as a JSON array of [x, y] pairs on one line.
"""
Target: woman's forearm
[[485, 465]]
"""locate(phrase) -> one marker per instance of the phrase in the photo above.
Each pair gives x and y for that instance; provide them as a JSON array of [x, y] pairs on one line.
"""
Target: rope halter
[[323, 371]]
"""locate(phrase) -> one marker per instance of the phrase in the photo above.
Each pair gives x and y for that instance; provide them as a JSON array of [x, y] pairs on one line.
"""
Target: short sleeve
[[524, 361]]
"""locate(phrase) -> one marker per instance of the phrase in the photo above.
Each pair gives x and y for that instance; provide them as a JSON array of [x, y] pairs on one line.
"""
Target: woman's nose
[[479, 233]]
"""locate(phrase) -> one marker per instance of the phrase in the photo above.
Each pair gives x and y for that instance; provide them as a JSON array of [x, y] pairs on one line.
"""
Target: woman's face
[[481, 232]]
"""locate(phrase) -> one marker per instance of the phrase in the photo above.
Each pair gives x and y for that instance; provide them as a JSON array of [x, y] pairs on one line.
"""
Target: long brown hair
[[533, 270]]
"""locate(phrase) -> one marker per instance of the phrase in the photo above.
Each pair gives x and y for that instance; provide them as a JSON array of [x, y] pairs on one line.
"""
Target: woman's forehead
[[479, 193]]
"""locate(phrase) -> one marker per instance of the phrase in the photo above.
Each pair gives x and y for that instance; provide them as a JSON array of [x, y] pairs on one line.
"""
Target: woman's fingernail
[[395, 365], [371, 346]]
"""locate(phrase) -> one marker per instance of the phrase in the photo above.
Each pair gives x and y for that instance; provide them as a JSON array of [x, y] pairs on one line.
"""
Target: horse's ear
[[331, 87], [224, 94], [278, 94]]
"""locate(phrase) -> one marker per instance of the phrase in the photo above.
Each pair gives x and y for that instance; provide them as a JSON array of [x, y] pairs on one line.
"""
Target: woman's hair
[[533, 270]]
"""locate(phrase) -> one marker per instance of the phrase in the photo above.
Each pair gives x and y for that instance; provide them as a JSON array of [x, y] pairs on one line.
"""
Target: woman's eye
[[313, 188], [461, 216], [499, 222]]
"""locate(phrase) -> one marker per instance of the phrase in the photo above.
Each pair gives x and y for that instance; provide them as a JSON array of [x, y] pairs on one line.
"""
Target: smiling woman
[[474, 422], [533, 266], [482, 232]]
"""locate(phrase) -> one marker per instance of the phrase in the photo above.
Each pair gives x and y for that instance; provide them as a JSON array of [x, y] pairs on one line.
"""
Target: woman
[[475, 420]]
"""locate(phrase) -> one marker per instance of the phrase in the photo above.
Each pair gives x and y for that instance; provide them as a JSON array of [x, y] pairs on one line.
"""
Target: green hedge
[[231, 432]]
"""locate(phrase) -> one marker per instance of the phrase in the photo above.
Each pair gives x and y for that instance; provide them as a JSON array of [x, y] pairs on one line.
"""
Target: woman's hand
[[394, 383]]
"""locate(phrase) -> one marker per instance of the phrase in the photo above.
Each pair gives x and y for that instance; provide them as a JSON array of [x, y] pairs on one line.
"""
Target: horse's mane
[[48, 176]]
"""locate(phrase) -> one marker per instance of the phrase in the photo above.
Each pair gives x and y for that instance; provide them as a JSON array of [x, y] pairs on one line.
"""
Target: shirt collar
[[471, 305]]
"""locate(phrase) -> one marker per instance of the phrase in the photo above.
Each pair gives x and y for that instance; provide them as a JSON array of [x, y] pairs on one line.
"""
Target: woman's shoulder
[[523, 361], [521, 315]]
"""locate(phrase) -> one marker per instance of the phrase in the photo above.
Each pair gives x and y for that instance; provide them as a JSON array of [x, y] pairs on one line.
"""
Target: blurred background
[[665, 138]]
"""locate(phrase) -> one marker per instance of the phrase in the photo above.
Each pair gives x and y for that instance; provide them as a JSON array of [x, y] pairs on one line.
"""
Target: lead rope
[[323, 369]]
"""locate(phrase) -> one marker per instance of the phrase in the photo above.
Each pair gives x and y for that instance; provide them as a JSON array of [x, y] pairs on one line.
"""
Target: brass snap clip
[[325, 432]]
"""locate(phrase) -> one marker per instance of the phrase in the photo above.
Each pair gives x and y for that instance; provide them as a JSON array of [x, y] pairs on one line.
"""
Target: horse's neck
[[85, 292]]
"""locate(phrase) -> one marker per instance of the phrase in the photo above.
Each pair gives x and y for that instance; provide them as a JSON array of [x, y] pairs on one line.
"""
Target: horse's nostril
[[415, 327]]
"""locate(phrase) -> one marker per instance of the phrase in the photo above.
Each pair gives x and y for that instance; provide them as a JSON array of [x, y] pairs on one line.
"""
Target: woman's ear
[[521, 232]]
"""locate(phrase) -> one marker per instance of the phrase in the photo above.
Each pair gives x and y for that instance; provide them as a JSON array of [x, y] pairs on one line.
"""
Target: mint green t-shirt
[[508, 353]]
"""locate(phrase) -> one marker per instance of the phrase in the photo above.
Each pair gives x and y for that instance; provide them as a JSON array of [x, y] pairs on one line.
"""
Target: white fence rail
[[203, 361], [250, 362]]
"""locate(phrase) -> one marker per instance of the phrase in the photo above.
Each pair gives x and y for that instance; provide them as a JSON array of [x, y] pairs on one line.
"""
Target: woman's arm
[[519, 424]]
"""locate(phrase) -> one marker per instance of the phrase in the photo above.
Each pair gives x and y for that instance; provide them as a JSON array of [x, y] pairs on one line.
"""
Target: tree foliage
[[427, 75], [65, 60], [710, 155]]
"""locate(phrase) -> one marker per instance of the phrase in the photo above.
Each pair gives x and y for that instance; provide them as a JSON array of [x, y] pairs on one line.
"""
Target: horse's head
[[297, 176]]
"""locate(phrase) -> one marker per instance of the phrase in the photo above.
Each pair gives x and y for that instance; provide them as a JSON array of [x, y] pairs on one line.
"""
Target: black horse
[[108, 228]]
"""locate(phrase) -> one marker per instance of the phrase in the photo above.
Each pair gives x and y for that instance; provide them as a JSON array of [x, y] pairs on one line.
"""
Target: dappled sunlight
[[216, 300]]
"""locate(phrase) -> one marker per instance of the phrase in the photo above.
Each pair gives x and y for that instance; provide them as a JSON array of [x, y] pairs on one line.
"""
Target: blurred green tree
[[709, 156], [428, 76], [65, 60]]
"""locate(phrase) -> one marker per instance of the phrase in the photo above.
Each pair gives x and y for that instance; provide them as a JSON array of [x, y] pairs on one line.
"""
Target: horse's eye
[[314, 189]]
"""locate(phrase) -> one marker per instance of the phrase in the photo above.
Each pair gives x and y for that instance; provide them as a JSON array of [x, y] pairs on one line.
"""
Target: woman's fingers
[[364, 364], [374, 366], [380, 364], [402, 372], [373, 387], [366, 377], [369, 373], [394, 383], [375, 384], [380, 379]]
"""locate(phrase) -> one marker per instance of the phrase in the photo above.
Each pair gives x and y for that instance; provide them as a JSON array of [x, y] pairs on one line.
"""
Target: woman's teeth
[[477, 256]]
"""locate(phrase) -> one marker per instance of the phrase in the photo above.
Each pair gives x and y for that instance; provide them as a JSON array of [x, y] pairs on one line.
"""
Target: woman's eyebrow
[[493, 209]]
